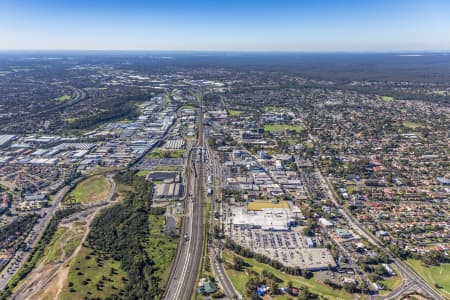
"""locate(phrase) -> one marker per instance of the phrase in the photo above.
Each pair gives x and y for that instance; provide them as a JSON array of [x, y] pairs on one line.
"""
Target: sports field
[[411, 125], [234, 113], [261, 204], [283, 127], [387, 98]]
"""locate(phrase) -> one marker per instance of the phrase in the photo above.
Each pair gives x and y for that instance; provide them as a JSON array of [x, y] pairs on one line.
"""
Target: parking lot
[[291, 248]]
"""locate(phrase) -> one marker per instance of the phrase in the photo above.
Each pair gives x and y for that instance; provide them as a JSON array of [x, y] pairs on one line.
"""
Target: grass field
[[160, 153], [441, 93], [71, 119], [168, 168], [274, 108], [234, 113], [92, 189], [92, 276], [411, 125], [433, 275], [260, 204], [64, 243], [387, 98], [160, 247], [283, 127], [391, 284], [142, 173], [186, 107], [239, 279], [64, 98]]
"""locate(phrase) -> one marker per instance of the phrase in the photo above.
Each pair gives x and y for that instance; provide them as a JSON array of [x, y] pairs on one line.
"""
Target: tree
[[238, 263]]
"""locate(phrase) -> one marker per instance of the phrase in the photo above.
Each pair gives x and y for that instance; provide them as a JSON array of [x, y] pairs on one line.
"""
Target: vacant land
[[160, 153], [259, 205], [64, 98], [239, 279], [387, 98], [436, 276], [142, 173], [234, 113], [64, 243], [92, 189], [283, 127], [411, 125], [48, 279], [160, 248], [93, 275], [391, 284], [441, 93], [168, 168]]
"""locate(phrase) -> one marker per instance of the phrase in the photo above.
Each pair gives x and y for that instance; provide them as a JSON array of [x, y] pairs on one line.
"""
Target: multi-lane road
[[182, 279], [215, 247], [20, 257], [412, 282]]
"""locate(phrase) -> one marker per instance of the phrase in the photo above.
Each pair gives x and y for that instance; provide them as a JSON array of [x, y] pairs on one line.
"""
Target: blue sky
[[231, 25]]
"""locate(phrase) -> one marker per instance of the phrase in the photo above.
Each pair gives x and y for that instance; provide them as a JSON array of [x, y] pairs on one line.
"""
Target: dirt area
[[414, 297], [48, 279]]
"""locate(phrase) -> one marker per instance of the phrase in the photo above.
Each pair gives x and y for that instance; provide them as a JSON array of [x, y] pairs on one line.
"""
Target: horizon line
[[442, 51]]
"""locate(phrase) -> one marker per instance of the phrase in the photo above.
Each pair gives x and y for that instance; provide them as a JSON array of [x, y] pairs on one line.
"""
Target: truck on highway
[[186, 237]]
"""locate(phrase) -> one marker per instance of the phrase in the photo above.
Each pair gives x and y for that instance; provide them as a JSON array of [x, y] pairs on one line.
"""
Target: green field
[[94, 276], [186, 107], [274, 108], [260, 204], [92, 189], [142, 173], [64, 98], [168, 168], [239, 279], [439, 275], [70, 119], [441, 93], [234, 113], [160, 248], [283, 127], [411, 125], [391, 284], [160, 153], [387, 98]]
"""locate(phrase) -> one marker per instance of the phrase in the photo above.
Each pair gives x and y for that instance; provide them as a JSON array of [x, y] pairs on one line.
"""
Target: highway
[[186, 266]]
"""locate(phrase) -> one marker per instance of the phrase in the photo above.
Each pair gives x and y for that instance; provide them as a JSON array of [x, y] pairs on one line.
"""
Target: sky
[[228, 25]]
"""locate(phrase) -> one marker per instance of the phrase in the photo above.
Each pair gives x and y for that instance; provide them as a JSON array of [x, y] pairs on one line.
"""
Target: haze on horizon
[[323, 25]]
